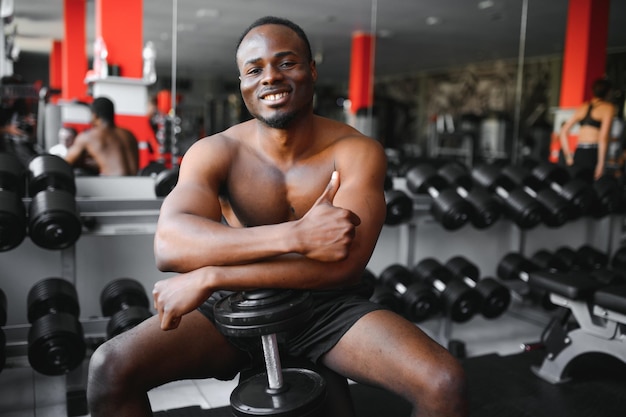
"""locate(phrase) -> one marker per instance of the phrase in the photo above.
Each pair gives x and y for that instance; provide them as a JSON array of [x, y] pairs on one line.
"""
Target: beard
[[278, 121]]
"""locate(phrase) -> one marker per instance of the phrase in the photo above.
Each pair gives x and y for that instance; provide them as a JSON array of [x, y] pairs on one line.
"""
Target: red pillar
[[74, 55], [584, 58], [56, 67], [361, 72], [120, 24]]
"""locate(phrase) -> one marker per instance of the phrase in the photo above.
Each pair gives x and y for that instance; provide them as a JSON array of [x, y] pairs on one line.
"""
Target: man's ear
[[313, 68]]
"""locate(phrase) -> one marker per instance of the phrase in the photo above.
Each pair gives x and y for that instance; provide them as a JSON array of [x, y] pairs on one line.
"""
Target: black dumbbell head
[[399, 207], [486, 210], [11, 173], [50, 172], [460, 301], [126, 319], [607, 196], [420, 302], [56, 344], [12, 220], [591, 258], [496, 298], [3, 308], [618, 261], [461, 267], [165, 181], [52, 296], [456, 174], [548, 261], [261, 312], [54, 220], [122, 293], [512, 265]]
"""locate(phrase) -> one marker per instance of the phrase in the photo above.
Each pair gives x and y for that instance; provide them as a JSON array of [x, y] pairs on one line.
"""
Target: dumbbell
[[56, 343], [399, 207], [618, 260], [486, 210], [520, 207], [608, 196], [3, 322], [165, 181], [496, 298], [585, 257], [514, 266], [54, 220], [578, 193], [556, 209], [12, 211], [447, 206], [125, 301], [277, 391], [547, 260], [417, 299], [459, 301]]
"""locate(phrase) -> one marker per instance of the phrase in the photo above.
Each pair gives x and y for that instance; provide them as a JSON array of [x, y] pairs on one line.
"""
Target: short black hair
[[601, 88], [273, 20], [104, 109]]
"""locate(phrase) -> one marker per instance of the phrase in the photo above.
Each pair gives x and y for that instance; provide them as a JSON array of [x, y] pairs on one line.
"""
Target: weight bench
[[599, 311]]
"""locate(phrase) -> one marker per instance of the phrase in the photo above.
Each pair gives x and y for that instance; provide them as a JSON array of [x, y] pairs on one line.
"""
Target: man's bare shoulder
[[226, 140], [346, 136]]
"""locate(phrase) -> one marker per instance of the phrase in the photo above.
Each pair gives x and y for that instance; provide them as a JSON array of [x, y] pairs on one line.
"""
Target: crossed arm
[[328, 247]]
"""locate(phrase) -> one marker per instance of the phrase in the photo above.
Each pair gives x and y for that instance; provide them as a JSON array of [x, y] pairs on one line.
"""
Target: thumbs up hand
[[326, 232]]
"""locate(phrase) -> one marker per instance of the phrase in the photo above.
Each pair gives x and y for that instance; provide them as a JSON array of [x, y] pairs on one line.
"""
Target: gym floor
[[25, 393]]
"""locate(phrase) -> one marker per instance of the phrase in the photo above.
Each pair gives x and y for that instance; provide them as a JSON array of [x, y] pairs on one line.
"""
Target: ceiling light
[[210, 13], [485, 4], [432, 20]]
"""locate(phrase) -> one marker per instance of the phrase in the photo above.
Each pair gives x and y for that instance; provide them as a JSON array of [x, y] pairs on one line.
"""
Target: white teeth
[[274, 97]]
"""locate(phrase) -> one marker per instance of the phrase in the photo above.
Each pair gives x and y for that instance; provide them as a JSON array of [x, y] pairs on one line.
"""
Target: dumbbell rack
[[119, 218], [423, 237]]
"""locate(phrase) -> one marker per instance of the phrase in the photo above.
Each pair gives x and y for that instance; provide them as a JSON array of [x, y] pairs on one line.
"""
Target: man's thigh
[[386, 350]]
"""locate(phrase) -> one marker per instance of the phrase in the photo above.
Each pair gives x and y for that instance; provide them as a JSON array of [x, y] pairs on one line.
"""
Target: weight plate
[[303, 395], [3, 308], [52, 295], [50, 172], [126, 319], [165, 182], [251, 313], [11, 173], [56, 344], [54, 220], [12, 220], [121, 293]]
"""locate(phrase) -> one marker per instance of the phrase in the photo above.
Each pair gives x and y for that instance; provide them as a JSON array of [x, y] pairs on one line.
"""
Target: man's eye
[[253, 71]]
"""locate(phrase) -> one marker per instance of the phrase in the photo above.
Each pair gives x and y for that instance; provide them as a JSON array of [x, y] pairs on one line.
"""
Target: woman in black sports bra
[[594, 119]]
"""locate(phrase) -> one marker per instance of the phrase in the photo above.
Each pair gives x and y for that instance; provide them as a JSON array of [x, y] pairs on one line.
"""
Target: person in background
[[114, 149], [594, 118], [67, 135], [288, 199]]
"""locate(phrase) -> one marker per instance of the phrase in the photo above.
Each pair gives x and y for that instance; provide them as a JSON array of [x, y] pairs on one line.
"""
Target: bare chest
[[258, 193]]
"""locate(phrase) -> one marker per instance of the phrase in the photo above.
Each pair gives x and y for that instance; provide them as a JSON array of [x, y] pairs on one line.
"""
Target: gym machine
[[599, 313]]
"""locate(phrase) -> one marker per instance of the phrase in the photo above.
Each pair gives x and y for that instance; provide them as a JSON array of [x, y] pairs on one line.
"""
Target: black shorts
[[334, 313]]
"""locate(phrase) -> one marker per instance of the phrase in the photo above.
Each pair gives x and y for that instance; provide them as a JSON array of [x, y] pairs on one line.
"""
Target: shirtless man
[[594, 117], [304, 204], [113, 149]]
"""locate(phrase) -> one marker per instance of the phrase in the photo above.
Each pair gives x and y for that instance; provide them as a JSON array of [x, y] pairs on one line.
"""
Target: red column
[[361, 72], [120, 24], [56, 67], [584, 58], [74, 55]]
